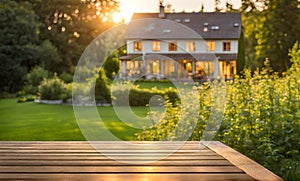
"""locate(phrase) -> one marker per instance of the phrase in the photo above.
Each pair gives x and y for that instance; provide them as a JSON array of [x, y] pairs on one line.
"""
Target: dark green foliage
[[111, 65], [27, 98], [18, 35], [66, 77], [51, 34], [34, 78], [102, 91], [277, 33], [241, 54], [141, 97]]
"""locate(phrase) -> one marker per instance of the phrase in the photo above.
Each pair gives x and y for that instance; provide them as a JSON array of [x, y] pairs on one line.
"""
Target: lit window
[[137, 46], [226, 46], [172, 46], [156, 46], [210, 46], [190, 46], [205, 29]]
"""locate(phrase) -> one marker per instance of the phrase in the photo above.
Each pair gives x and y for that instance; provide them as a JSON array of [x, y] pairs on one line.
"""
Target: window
[[153, 66], [172, 46], [156, 46], [169, 68], [137, 46], [187, 20], [210, 46], [226, 46], [215, 27], [190, 46]]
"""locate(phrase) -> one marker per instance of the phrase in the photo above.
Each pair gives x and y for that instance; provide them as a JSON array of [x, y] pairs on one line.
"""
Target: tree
[[251, 21], [277, 33], [72, 24], [241, 54], [111, 65], [102, 91], [18, 35]]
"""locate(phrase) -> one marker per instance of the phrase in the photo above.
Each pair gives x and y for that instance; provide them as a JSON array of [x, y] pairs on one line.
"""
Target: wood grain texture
[[117, 161], [249, 166]]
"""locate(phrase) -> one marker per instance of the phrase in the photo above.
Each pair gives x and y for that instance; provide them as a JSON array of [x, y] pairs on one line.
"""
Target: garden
[[261, 118]]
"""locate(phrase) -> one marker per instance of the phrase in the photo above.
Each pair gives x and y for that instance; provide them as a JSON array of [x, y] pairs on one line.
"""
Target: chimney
[[161, 11]]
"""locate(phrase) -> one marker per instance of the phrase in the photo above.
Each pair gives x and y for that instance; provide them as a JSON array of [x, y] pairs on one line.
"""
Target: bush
[[27, 98], [140, 97], [53, 89], [102, 92], [111, 65], [261, 119], [34, 78], [66, 77]]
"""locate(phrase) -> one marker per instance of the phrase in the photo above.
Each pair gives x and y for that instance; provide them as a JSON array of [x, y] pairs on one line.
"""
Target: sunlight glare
[[117, 17], [127, 10]]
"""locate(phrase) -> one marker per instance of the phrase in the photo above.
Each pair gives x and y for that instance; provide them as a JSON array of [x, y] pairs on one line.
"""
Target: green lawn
[[40, 122]]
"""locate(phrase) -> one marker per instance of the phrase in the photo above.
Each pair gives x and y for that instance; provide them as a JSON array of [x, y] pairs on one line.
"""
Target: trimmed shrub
[[111, 65], [139, 96], [34, 78], [53, 89], [102, 92], [66, 77], [27, 98]]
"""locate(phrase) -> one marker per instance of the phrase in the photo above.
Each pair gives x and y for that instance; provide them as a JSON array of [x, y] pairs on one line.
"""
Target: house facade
[[181, 45]]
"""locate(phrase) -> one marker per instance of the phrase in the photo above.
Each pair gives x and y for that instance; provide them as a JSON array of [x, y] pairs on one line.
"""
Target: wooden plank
[[249, 166], [81, 161], [105, 151], [129, 177], [101, 157], [100, 142], [119, 169], [110, 147], [112, 154], [113, 163]]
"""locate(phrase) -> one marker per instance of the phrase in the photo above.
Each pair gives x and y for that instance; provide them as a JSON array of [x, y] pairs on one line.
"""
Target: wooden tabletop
[[127, 161]]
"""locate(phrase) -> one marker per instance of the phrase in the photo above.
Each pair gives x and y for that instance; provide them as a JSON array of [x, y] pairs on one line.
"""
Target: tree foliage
[[277, 33], [72, 24], [50, 33], [19, 37], [241, 54], [34, 78], [102, 91], [111, 65]]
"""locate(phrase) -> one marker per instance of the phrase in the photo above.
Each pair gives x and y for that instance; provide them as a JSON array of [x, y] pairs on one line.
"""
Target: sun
[[127, 10], [117, 17]]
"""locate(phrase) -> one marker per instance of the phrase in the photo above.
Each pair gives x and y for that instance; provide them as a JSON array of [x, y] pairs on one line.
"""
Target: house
[[182, 45]]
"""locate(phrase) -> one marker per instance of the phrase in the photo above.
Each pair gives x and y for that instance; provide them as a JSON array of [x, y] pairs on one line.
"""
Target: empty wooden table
[[124, 161]]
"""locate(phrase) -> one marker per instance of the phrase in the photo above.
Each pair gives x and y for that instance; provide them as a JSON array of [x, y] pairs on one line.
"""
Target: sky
[[128, 7]]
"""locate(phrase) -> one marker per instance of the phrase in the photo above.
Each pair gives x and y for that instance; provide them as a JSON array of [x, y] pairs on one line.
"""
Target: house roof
[[185, 26]]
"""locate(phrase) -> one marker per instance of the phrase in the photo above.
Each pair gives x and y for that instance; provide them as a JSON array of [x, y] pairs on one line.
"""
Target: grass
[[39, 122]]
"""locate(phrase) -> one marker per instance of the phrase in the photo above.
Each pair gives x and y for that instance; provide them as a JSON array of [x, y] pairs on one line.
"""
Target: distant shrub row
[[135, 96]]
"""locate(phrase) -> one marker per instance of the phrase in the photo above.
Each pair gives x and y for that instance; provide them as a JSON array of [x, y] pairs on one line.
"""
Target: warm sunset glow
[[127, 10], [117, 17]]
